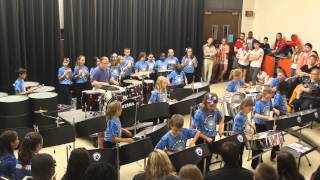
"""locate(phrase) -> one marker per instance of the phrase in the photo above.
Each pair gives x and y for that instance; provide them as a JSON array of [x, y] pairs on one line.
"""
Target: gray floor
[[128, 171]]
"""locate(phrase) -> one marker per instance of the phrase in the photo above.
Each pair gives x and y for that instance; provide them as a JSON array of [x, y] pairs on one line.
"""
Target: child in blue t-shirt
[[235, 82], [161, 64], [65, 82], [115, 70], [280, 98], [152, 66], [262, 113], [176, 139], [190, 64], [19, 85], [9, 142], [241, 120], [177, 77], [113, 133], [159, 95], [141, 65]]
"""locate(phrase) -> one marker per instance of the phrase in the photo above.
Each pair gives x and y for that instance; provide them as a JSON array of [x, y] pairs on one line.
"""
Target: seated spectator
[[77, 164], [30, 146], [295, 42], [281, 76], [9, 141], [265, 172], [279, 45], [101, 171], [287, 167], [316, 175], [43, 167], [232, 169], [190, 172], [294, 59], [304, 55], [311, 64], [158, 166]]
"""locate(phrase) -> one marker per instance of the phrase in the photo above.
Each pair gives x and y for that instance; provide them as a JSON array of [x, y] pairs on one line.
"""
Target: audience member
[[243, 60], [224, 58], [287, 167], [209, 56], [255, 57], [294, 59], [43, 167], [266, 46], [304, 55], [231, 170], [77, 164], [9, 141], [158, 166], [279, 45], [265, 172], [100, 171], [190, 172], [250, 40], [239, 42]]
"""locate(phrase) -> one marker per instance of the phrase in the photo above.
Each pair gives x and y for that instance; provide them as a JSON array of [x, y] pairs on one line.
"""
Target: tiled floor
[[128, 171]]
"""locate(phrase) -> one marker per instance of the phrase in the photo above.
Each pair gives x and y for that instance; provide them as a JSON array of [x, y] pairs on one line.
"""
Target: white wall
[[286, 16]]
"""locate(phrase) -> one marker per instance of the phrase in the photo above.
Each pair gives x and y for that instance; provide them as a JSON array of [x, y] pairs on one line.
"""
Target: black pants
[[208, 159], [78, 88], [109, 145], [241, 153], [305, 103], [64, 94], [256, 161], [190, 77]]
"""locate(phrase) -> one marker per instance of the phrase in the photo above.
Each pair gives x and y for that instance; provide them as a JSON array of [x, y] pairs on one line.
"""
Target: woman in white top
[[243, 59], [255, 58]]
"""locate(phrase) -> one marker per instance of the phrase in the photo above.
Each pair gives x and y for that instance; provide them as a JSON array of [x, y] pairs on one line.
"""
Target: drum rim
[[92, 90], [149, 81], [47, 88], [195, 84], [37, 93], [22, 98]]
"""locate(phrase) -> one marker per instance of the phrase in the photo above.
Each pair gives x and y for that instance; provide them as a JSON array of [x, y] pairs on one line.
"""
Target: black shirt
[[306, 69], [230, 173]]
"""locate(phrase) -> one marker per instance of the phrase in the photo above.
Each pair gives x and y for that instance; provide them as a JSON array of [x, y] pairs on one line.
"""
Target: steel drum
[[14, 111], [198, 86], [3, 94], [155, 133], [164, 72], [129, 82], [42, 89], [265, 140]]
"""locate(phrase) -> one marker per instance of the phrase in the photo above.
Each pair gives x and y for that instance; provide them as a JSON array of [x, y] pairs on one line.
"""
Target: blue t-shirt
[[263, 108], [172, 62], [83, 78], [141, 66], [19, 86], [189, 67], [115, 73], [8, 165], [161, 65], [174, 144], [240, 122], [206, 123], [67, 80], [275, 82], [157, 97], [233, 85], [177, 78], [129, 64], [101, 75], [21, 171], [280, 102], [151, 66], [113, 130]]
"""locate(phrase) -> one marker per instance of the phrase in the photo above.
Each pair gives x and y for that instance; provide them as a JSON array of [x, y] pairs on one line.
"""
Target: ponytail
[[28, 147]]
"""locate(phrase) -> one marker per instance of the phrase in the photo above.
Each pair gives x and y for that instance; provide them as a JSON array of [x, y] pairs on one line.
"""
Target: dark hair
[[279, 33], [283, 87], [142, 54], [176, 121], [179, 68], [280, 69], [192, 56], [21, 71], [314, 54], [243, 33], [28, 147], [266, 38], [6, 138], [101, 171], [256, 42], [190, 172], [162, 54], [205, 99], [94, 59], [77, 164], [316, 175], [265, 172], [230, 153], [42, 166], [309, 45], [287, 166]]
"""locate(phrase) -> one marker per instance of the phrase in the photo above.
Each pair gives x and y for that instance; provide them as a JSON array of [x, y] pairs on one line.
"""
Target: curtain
[[101, 27], [29, 38]]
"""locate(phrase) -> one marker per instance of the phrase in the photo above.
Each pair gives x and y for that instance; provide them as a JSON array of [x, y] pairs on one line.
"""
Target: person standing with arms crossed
[[209, 52]]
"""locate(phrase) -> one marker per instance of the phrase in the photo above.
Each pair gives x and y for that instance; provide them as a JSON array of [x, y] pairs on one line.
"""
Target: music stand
[[108, 155], [215, 147], [150, 112], [90, 126], [57, 136], [192, 155], [135, 151]]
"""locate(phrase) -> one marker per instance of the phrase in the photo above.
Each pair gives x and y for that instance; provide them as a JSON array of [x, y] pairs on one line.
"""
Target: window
[[226, 29], [215, 29]]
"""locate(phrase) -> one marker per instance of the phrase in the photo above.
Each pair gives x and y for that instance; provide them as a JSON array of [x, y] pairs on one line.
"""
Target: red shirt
[[302, 59], [224, 49], [279, 44], [238, 43]]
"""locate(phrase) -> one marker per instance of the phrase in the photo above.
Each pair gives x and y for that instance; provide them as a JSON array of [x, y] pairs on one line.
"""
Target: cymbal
[[109, 88], [141, 73], [40, 111]]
